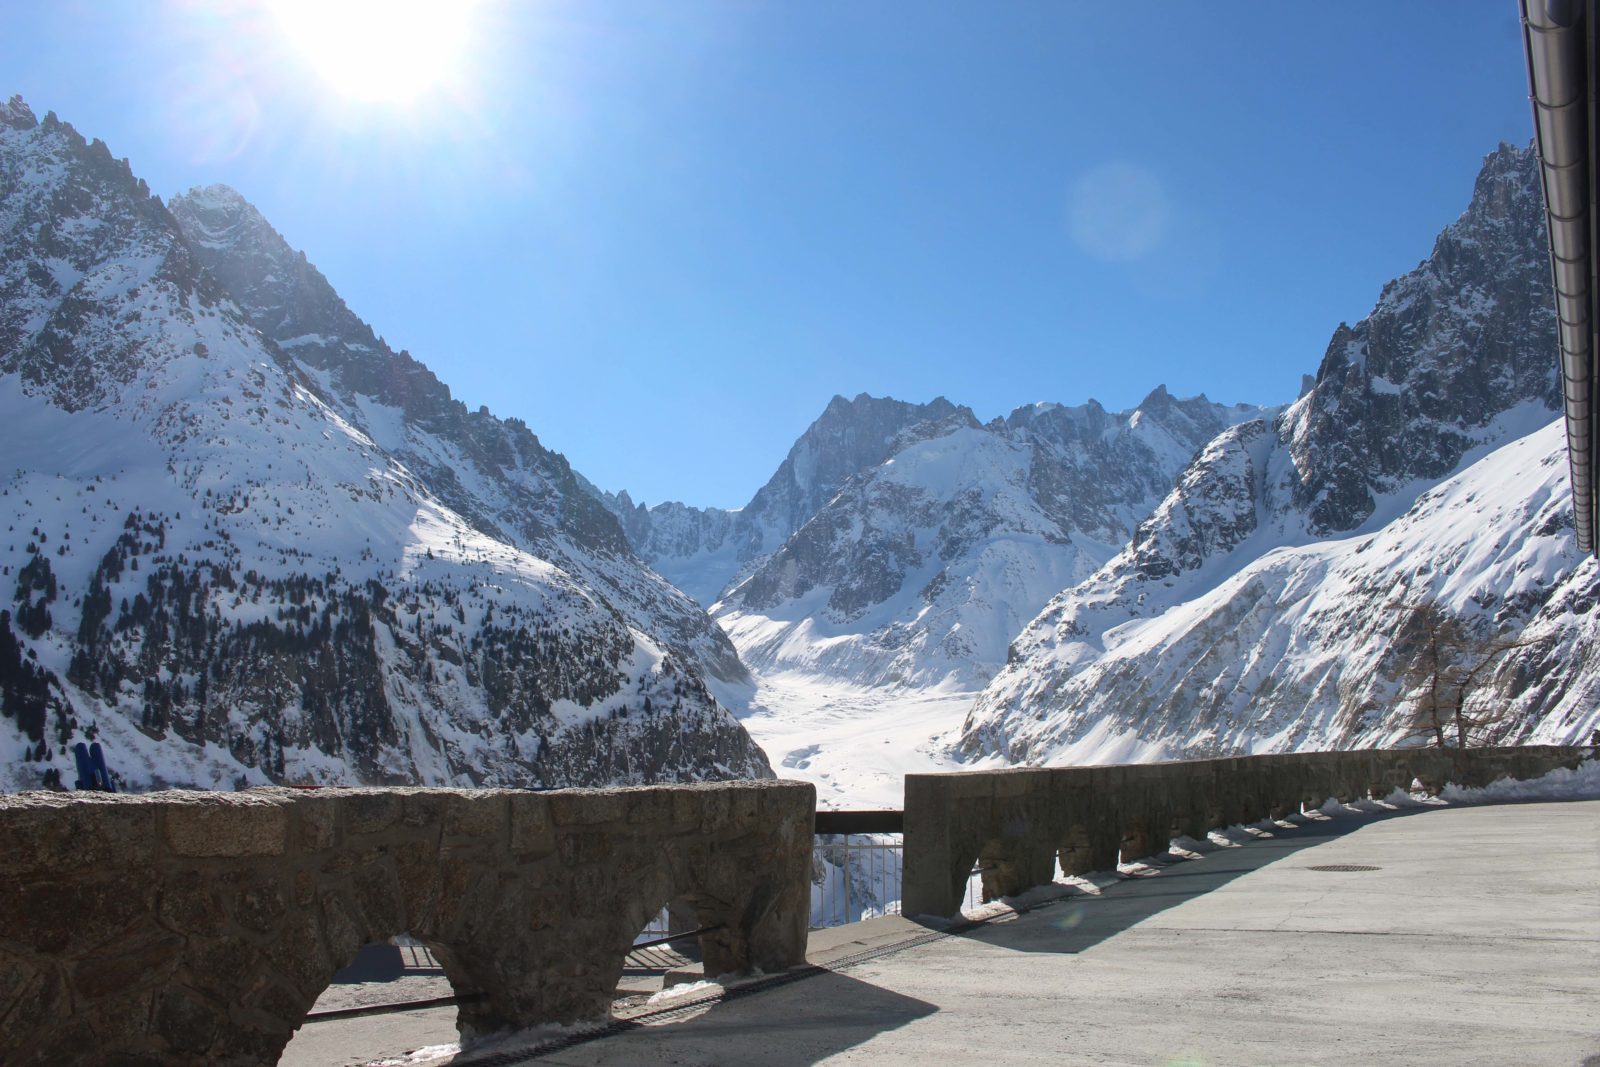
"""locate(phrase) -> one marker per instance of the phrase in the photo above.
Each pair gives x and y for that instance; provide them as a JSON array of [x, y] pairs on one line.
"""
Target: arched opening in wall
[[1214, 819], [996, 872], [401, 980], [1136, 841], [1426, 785], [1075, 856], [665, 952]]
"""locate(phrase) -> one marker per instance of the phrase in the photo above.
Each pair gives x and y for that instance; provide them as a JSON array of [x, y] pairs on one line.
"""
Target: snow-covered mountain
[[249, 542], [494, 473], [704, 550], [239, 560], [923, 565], [1254, 609]]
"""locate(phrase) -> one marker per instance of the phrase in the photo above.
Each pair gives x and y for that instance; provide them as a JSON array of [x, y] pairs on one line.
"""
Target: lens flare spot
[[1118, 212]]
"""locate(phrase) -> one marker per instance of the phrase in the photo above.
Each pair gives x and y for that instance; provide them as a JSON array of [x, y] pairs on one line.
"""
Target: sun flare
[[380, 50]]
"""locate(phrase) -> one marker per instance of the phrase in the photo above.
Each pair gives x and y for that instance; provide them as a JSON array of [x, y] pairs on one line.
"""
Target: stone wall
[[1017, 823], [198, 928]]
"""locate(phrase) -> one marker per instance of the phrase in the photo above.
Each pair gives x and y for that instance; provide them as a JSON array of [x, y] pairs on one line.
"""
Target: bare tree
[[1445, 661]]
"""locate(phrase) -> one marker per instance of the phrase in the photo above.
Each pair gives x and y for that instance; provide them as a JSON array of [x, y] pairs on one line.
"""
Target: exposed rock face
[[1450, 346], [1253, 609], [1210, 510], [81, 233], [906, 544], [921, 567], [849, 436], [220, 573], [703, 550]]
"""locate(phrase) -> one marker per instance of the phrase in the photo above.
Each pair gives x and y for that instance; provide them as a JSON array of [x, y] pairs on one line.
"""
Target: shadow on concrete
[[1081, 921], [645, 969], [829, 1012], [795, 1025]]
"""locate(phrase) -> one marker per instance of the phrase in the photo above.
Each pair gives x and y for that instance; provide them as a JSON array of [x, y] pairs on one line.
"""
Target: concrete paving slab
[[1476, 942]]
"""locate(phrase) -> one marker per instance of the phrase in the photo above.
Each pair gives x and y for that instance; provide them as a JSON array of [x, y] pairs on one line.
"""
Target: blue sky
[[665, 234]]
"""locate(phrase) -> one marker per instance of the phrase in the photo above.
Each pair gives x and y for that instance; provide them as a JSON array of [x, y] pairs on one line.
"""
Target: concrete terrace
[[1476, 940]]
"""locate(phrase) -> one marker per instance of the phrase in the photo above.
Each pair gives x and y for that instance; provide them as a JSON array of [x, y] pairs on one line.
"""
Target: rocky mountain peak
[[864, 419], [225, 199], [1451, 345], [289, 299], [849, 436], [923, 565], [1503, 183], [83, 236], [707, 550], [17, 114], [1157, 398]]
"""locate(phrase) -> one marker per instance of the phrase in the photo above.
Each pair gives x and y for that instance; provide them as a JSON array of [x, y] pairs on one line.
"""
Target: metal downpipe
[[1556, 36]]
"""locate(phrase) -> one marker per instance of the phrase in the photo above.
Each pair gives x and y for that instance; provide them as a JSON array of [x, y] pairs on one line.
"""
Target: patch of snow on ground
[[686, 989], [418, 1056]]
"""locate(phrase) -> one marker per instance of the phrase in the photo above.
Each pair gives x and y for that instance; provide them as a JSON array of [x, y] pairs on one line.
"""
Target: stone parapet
[[199, 928], [1016, 824]]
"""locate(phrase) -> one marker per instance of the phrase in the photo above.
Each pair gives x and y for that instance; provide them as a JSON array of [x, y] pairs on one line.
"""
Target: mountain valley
[[249, 542]]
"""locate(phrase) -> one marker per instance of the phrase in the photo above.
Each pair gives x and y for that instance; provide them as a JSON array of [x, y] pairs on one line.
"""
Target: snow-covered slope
[[703, 550], [922, 566], [1250, 610], [906, 544], [211, 566], [1298, 649], [494, 473]]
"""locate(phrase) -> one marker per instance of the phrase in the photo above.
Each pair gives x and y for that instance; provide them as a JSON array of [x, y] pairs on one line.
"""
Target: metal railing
[[855, 877], [657, 927], [856, 867]]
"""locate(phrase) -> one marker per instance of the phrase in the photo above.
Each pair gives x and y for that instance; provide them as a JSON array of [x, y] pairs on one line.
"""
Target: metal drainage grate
[[1344, 867]]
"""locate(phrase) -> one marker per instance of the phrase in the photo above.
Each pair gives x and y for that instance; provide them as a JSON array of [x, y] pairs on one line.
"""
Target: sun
[[380, 50]]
